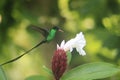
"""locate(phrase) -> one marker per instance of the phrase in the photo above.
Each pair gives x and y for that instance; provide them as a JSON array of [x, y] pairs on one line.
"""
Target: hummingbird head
[[57, 28]]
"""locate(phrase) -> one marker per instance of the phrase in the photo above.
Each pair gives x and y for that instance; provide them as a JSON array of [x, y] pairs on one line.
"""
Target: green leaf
[[47, 70], [69, 56], [36, 77], [90, 71], [2, 74]]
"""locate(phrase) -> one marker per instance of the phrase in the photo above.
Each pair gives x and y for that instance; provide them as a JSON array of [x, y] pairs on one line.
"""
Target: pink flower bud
[[59, 63]]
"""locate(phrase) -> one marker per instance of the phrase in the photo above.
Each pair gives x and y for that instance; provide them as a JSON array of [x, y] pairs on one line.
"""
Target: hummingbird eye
[[56, 28]]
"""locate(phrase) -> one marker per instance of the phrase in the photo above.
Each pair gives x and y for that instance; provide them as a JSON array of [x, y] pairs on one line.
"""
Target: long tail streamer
[[12, 60]]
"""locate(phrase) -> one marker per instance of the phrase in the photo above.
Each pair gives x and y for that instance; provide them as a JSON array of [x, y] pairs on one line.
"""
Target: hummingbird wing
[[44, 32]]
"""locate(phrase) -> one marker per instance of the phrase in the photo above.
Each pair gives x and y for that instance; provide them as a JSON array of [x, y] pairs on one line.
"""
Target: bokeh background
[[99, 20]]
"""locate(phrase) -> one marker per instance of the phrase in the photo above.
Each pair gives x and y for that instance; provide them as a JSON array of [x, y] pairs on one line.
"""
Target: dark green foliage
[[99, 20]]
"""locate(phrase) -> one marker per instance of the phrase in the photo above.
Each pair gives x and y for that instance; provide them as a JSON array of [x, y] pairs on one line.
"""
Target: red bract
[[59, 63]]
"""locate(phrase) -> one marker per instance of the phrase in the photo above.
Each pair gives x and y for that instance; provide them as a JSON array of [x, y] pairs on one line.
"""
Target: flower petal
[[62, 44], [71, 49], [78, 42], [58, 46], [81, 51], [69, 45]]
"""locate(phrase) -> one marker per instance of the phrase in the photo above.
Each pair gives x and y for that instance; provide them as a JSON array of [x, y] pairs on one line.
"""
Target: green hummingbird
[[49, 35]]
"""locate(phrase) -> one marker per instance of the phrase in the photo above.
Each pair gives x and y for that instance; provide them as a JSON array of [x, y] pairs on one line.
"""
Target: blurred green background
[[99, 20]]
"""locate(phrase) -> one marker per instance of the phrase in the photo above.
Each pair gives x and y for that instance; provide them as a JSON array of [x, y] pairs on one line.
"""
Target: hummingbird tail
[[12, 60]]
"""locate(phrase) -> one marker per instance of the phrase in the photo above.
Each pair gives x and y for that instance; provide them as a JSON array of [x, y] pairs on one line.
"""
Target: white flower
[[78, 42]]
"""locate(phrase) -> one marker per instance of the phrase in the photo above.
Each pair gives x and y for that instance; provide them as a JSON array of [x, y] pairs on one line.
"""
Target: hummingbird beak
[[60, 30]]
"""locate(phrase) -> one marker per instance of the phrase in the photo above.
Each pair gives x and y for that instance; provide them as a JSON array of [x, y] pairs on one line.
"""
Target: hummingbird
[[49, 35]]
